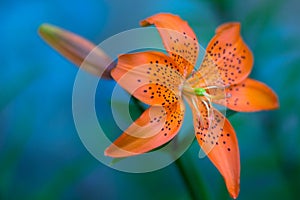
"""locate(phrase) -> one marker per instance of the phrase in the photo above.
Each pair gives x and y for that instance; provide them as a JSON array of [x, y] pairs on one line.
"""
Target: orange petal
[[178, 38], [152, 77], [225, 154], [207, 75], [251, 96], [155, 127], [230, 53], [217, 139], [77, 49]]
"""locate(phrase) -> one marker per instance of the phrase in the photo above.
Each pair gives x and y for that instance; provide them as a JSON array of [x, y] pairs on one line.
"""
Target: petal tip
[[114, 151], [230, 25], [234, 193], [276, 101], [159, 17], [106, 152], [144, 23], [273, 102], [109, 152]]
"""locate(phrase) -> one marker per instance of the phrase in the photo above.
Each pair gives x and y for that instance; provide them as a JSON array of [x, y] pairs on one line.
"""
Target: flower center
[[207, 95], [200, 91], [210, 92]]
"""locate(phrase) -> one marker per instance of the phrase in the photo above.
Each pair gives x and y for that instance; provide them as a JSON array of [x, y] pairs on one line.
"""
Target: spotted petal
[[217, 139], [225, 154], [155, 127], [251, 96], [178, 38], [207, 75], [230, 54], [151, 77]]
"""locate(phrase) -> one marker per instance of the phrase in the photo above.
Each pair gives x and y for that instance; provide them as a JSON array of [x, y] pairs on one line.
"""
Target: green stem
[[187, 170], [185, 178], [191, 178]]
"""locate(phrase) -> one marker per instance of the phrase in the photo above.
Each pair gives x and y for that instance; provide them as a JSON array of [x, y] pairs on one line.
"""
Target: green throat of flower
[[200, 91], [206, 95], [205, 92]]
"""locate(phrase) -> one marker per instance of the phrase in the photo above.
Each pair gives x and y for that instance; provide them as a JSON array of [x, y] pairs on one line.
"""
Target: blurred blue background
[[41, 155]]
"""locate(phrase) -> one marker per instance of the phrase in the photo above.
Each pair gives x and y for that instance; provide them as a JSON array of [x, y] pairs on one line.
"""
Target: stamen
[[206, 99], [211, 87], [208, 106]]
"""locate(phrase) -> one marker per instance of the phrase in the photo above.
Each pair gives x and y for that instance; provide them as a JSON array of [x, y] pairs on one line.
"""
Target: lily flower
[[164, 81]]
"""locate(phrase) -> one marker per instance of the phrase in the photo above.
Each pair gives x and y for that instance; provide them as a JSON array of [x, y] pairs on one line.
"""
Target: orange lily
[[163, 81]]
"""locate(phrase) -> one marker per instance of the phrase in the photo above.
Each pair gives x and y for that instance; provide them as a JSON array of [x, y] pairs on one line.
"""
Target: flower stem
[[191, 177], [187, 170]]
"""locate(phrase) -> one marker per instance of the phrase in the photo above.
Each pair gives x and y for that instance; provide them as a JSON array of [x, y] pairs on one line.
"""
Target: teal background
[[41, 155]]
